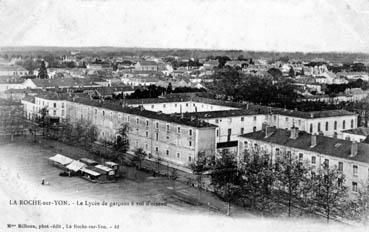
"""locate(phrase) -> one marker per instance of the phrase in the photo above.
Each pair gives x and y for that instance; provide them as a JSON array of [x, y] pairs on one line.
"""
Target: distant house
[[59, 83], [12, 70], [354, 75], [147, 66], [11, 83], [210, 64]]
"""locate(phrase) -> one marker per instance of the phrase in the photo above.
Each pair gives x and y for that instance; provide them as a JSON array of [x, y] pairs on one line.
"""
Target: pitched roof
[[129, 110], [325, 145], [63, 82], [358, 131]]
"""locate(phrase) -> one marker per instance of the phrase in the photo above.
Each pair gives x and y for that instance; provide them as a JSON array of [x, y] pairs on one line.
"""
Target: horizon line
[[176, 48]]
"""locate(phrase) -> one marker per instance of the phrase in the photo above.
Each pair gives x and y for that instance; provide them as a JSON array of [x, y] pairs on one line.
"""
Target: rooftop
[[358, 131], [129, 110], [325, 145]]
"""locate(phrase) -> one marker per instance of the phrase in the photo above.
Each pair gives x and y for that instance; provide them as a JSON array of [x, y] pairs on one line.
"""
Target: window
[[254, 118], [216, 120], [326, 163], [190, 132], [62, 104], [179, 129], [167, 152], [339, 182], [157, 136], [299, 122], [318, 126], [311, 128], [242, 119], [168, 128], [326, 126], [186, 104], [146, 146], [254, 129], [313, 160], [217, 133], [54, 112], [147, 122], [152, 106], [242, 130], [137, 120], [189, 158], [277, 151], [156, 150], [147, 134], [343, 124], [103, 113], [163, 105], [62, 113], [136, 143], [175, 105], [301, 157], [178, 155], [190, 143], [340, 166], [352, 123], [157, 125], [335, 125], [95, 111], [355, 170], [354, 186], [286, 119]]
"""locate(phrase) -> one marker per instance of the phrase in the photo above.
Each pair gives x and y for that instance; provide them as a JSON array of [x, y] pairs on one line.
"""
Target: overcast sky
[[278, 25]]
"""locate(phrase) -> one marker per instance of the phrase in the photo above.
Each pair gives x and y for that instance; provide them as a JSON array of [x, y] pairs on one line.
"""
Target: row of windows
[[53, 104], [230, 119], [242, 131], [355, 168], [178, 155], [334, 125]]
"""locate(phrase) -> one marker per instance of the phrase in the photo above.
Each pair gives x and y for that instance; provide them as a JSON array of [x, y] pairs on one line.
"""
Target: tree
[[122, 143], [174, 177], [198, 167], [169, 88], [226, 178], [329, 191], [276, 73], [292, 175], [140, 156], [257, 180], [358, 207], [291, 73], [44, 120], [42, 72]]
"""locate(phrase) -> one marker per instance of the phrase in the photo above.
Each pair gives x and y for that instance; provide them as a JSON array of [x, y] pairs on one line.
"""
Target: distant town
[[272, 133]]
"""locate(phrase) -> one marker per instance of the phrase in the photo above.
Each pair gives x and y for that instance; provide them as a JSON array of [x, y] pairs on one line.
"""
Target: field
[[24, 164]]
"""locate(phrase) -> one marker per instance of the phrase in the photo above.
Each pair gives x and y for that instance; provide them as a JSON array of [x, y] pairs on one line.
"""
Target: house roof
[[14, 68], [358, 131], [129, 110], [324, 145], [63, 82], [222, 113], [147, 62]]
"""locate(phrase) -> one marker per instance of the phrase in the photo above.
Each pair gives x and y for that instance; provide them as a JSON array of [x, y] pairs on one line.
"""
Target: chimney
[[268, 131], [354, 149], [313, 140], [294, 133]]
